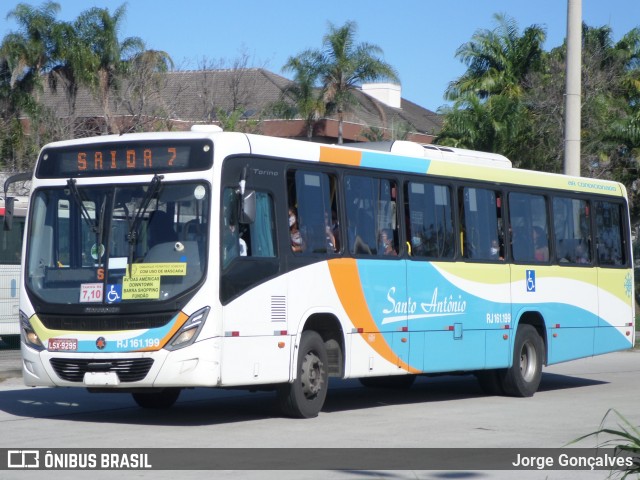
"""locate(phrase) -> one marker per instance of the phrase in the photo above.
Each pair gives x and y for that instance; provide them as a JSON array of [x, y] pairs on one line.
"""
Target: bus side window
[[430, 220], [479, 218], [11, 242], [371, 214], [609, 233], [572, 229], [312, 205], [386, 223], [528, 224]]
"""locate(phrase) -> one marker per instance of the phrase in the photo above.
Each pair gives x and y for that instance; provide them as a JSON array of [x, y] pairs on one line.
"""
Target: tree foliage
[[511, 101], [87, 52], [306, 96], [341, 66]]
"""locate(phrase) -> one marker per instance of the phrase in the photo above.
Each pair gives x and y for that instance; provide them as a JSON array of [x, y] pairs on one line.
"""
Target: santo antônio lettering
[[134, 159]]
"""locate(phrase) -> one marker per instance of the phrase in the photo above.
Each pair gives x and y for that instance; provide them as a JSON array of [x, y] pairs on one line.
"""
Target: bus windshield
[[116, 244]]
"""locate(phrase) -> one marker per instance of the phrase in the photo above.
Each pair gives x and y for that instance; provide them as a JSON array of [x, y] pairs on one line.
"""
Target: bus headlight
[[189, 331], [28, 334]]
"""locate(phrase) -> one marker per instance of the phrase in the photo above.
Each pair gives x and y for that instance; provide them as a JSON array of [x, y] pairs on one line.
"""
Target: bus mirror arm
[[9, 201], [248, 207], [243, 180], [8, 212], [247, 199]]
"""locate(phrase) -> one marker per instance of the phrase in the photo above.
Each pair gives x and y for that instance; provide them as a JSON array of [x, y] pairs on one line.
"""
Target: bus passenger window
[[480, 220], [609, 233], [572, 229], [247, 240], [312, 205], [371, 209], [528, 226], [430, 220]]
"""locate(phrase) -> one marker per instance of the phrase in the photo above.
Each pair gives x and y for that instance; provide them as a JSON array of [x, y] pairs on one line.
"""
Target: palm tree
[[498, 60], [304, 92], [142, 96], [109, 58], [29, 52], [488, 112], [26, 56], [342, 65], [72, 67]]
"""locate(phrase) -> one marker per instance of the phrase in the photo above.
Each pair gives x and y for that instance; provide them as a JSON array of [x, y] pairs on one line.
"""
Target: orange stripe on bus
[[346, 279], [182, 317], [343, 157]]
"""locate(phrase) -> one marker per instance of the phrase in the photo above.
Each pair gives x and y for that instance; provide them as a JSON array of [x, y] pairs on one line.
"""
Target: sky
[[419, 38]]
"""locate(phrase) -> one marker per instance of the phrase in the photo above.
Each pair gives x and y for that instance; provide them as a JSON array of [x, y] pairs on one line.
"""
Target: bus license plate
[[63, 344], [101, 379]]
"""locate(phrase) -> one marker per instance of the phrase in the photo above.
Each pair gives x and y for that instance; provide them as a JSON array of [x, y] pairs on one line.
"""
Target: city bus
[[10, 252], [156, 262]]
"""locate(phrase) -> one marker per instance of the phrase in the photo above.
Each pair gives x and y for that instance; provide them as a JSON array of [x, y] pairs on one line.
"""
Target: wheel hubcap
[[528, 362], [312, 370]]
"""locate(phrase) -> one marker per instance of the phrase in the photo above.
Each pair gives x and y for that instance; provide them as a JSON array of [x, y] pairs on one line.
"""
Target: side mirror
[[248, 207], [9, 201], [8, 213]]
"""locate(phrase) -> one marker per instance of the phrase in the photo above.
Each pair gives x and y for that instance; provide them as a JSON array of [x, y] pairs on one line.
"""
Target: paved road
[[446, 411]]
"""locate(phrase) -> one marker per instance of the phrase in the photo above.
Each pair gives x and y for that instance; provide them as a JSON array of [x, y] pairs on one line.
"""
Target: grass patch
[[624, 439]]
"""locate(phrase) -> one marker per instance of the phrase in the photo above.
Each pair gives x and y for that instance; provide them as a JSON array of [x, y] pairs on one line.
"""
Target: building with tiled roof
[[180, 99]]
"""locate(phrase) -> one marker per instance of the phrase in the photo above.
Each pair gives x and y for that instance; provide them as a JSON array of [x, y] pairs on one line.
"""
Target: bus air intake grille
[[127, 369], [105, 323], [278, 309]]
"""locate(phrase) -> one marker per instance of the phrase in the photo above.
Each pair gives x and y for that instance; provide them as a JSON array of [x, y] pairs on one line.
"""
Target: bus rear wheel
[[164, 398], [523, 377], [305, 397]]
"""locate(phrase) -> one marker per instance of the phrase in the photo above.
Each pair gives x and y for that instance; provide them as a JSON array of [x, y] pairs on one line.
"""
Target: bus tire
[[523, 377], [304, 397], [390, 381], [159, 399]]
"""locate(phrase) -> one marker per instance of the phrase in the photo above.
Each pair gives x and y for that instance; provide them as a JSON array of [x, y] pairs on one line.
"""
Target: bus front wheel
[[158, 399], [523, 377], [305, 397]]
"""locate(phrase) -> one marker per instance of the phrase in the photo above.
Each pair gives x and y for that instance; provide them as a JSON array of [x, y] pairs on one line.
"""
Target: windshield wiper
[[132, 235], [84, 213], [97, 226]]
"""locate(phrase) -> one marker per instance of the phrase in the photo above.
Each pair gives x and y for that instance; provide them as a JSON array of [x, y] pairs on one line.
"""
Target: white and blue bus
[[10, 254], [156, 262]]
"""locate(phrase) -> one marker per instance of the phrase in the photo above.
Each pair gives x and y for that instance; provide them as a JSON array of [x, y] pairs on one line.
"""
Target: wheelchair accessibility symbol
[[114, 293], [531, 280]]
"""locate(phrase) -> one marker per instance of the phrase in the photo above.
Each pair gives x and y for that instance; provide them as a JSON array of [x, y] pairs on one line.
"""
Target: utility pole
[[573, 88]]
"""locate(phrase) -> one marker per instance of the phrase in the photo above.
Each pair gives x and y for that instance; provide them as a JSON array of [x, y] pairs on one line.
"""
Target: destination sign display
[[125, 158]]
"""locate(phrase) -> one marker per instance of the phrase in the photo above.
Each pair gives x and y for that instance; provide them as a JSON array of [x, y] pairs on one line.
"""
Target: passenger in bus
[[160, 228], [540, 244], [330, 237], [297, 243], [418, 244], [386, 242], [582, 255], [335, 229], [242, 247], [494, 251]]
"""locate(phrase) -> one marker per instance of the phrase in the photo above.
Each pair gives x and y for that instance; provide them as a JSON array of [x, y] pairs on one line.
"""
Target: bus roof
[[437, 152], [400, 156]]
